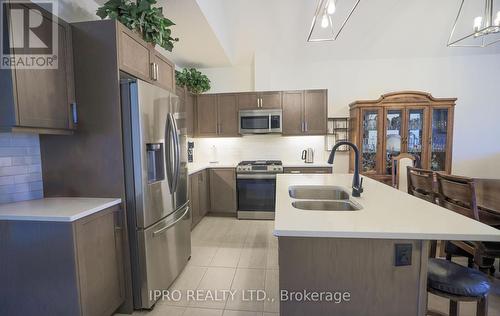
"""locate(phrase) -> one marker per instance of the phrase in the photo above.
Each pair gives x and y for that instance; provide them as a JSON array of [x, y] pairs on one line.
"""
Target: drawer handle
[[294, 171]]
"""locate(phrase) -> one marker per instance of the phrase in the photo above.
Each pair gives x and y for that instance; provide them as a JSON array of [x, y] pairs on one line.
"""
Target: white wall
[[230, 79], [472, 79]]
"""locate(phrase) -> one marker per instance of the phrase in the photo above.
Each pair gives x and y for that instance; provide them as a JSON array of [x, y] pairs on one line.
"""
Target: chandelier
[[476, 25], [330, 19]]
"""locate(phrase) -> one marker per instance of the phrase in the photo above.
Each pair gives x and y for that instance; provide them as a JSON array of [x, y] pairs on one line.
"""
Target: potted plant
[[193, 80], [142, 17]]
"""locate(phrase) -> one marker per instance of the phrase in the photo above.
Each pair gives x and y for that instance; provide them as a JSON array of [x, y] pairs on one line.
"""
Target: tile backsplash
[[20, 167]]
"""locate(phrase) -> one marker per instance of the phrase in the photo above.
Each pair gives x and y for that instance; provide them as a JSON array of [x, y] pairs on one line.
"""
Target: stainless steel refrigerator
[[159, 218]]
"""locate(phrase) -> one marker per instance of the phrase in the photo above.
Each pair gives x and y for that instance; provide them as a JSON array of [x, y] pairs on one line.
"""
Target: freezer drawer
[[166, 248]]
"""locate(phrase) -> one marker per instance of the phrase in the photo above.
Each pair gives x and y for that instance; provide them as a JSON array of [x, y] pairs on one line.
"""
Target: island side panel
[[363, 267]]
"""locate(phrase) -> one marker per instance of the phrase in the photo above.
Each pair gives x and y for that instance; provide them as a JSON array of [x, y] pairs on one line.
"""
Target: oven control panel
[[259, 169]]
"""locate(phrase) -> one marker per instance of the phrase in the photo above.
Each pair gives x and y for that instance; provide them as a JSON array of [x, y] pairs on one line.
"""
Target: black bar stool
[[458, 284]]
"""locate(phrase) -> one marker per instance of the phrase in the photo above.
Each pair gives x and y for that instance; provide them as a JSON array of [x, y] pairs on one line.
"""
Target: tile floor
[[232, 254]]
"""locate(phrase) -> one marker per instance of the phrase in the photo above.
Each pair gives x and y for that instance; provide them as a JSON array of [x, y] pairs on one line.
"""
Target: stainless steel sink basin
[[318, 192], [327, 205]]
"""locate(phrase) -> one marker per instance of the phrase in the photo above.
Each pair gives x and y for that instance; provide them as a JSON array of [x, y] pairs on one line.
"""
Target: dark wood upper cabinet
[[293, 104], [134, 54], [270, 100], [40, 100], [206, 111], [227, 115], [190, 114], [259, 100], [165, 76], [217, 115], [315, 112], [141, 60], [305, 112], [248, 101]]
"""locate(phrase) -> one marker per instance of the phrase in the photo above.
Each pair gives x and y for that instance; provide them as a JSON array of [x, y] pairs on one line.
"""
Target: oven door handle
[[256, 176]]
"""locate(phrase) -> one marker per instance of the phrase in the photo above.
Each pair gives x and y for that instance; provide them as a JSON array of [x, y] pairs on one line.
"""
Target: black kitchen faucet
[[357, 184]]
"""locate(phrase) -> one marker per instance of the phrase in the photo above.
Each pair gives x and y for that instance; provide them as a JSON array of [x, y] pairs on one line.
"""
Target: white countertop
[[387, 214], [196, 167], [55, 209]]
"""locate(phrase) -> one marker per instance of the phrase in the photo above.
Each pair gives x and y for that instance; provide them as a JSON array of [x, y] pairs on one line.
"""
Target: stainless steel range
[[256, 182]]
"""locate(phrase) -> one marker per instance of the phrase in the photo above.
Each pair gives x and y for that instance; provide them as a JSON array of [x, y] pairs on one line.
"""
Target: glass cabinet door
[[415, 137], [439, 139], [369, 141], [393, 134]]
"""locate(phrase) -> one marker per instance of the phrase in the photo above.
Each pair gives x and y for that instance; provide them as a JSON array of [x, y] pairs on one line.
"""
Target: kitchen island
[[371, 261]]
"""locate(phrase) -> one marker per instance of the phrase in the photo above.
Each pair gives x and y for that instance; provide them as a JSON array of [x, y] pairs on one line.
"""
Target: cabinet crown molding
[[405, 97]]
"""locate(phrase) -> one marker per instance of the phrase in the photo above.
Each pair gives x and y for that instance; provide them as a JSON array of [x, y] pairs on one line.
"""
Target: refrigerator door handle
[[161, 230], [168, 153], [177, 154]]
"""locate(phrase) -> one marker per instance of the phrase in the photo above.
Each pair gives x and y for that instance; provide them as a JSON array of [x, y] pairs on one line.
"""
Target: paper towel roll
[[213, 155]]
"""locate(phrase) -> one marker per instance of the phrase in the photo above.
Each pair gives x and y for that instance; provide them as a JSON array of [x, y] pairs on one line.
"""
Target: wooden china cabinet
[[402, 122]]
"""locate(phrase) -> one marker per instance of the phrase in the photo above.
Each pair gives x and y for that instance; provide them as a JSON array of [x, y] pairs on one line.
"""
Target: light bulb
[[331, 7], [324, 21], [478, 21]]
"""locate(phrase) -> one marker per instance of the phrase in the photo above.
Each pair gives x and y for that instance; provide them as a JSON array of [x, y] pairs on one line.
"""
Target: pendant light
[[324, 26], [477, 24]]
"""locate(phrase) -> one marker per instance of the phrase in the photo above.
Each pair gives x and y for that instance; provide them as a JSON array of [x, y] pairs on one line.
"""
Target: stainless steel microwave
[[260, 121]]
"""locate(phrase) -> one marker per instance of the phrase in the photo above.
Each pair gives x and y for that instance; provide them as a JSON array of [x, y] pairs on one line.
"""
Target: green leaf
[[142, 16]]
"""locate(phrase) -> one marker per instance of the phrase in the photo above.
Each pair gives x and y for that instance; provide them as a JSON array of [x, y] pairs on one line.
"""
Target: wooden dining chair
[[459, 195], [399, 169], [421, 183]]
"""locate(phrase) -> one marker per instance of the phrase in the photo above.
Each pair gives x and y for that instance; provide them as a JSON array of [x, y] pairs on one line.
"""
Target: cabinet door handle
[[305, 126], [157, 72], [154, 76], [74, 113]]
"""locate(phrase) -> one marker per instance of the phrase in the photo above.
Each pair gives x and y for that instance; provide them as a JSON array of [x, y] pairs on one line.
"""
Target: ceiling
[[217, 33]]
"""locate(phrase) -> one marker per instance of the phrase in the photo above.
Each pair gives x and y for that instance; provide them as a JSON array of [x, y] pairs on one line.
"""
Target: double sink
[[322, 198]]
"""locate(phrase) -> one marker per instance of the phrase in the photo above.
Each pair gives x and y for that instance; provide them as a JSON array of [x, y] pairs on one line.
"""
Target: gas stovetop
[[260, 166]]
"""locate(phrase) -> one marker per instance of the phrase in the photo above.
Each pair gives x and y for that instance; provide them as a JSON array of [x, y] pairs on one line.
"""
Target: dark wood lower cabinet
[[199, 195], [223, 191], [62, 268]]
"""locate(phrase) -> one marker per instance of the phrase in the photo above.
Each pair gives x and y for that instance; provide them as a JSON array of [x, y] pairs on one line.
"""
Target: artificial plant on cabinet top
[[195, 81], [142, 17]]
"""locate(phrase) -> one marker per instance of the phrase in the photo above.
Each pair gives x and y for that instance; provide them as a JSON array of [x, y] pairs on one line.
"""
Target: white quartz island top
[[55, 209], [387, 214]]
